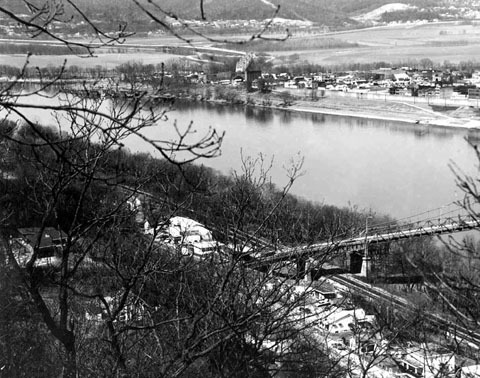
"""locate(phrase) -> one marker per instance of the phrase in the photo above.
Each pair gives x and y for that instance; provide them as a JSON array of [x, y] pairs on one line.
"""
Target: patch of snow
[[287, 22], [269, 4], [377, 13]]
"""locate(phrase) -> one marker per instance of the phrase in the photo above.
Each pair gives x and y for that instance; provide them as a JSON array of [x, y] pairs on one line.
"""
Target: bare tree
[[160, 310], [67, 178], [118, 296]]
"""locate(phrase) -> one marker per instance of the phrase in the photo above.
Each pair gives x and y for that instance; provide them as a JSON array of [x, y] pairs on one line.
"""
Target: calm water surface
[[388, 167], [391, 168]]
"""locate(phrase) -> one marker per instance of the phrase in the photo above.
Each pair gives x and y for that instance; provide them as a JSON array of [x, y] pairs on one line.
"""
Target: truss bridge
[[444, 220]]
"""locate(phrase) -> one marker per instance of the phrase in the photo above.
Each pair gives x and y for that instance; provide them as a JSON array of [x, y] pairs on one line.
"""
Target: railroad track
[[459, 331]]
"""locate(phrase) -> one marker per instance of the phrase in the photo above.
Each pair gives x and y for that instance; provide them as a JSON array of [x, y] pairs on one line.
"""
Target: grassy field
[[454, 42], [105, 60], [399, 54]]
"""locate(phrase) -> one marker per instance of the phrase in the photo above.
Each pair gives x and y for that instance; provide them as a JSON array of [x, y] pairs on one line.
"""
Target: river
[[386, 167]]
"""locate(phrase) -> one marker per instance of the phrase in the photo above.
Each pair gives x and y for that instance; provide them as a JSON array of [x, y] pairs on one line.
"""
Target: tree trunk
[[70, 360]]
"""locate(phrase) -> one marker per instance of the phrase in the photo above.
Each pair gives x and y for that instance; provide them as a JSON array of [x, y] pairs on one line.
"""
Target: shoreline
[[450, 123], [392, 110], [417, 116]]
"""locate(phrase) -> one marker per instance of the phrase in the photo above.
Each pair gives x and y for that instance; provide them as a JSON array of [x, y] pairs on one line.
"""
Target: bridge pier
[[359, 263], [366, 270]]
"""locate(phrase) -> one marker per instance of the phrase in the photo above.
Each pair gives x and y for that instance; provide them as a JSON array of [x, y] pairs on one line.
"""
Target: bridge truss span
[[420, 225]]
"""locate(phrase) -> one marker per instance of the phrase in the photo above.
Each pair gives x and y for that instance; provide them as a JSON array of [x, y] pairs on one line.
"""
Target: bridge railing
[[424, 227], [400, 231], [452, 213]]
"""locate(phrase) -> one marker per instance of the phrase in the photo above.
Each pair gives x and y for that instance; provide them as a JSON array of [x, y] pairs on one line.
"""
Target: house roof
[[51, 236], [401, 76], [180, 226], [336, 316], [323, 287]]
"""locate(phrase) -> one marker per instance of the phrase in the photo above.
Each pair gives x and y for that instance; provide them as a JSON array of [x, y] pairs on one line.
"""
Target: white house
[[193, 237], [475, 77], [401, 77], [428, 361], [344, 320]]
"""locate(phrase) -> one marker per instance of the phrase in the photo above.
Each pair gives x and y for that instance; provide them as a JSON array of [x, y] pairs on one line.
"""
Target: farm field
[[395, 54], [417, 34], [108, 60], [454, 42]]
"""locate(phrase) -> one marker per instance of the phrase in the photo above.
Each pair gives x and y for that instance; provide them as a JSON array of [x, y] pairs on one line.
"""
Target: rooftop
[[51, 236]]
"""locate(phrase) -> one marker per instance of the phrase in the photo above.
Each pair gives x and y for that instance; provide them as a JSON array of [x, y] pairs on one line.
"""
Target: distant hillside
[[321, 11], [326, 12]]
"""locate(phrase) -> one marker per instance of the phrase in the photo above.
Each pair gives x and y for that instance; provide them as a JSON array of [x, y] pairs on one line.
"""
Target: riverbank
[[390, 108], [414, 117]]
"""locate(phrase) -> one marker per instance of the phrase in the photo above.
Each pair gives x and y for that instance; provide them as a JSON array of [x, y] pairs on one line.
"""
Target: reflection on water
[[318, 118], [286, 116], [264, 116], [390, 167]]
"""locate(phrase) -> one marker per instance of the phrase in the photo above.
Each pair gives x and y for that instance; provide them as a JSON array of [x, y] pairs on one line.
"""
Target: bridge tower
[[246, 66], [366, 265]]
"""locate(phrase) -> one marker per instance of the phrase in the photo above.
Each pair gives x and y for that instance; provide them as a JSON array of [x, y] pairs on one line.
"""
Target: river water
[[387, 167]]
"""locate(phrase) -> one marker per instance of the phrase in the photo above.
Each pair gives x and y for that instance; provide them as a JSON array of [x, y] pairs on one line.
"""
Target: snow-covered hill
[[376, 14]]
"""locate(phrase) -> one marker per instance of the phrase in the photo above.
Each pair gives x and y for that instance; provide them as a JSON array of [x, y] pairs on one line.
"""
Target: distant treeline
[[293, 44], [297, 67], [410, 15], [40, 49]]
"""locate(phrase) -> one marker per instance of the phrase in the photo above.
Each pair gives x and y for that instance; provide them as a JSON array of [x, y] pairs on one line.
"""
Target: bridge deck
[[296, 253]]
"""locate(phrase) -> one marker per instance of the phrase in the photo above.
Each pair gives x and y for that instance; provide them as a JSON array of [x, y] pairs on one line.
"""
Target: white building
[[187, 230], [401, 78], [193, 237], [427, 361], [475, 77], [344, 320]]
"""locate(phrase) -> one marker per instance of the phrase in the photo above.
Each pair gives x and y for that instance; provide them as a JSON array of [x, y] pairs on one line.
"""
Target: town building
[[344, 321], [192, 237], [428, 361], [47, 242]]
